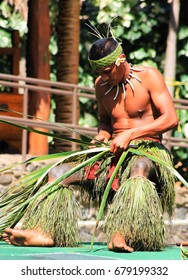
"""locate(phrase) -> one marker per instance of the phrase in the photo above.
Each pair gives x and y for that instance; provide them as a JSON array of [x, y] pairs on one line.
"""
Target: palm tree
[[171, 51], [68, 33]]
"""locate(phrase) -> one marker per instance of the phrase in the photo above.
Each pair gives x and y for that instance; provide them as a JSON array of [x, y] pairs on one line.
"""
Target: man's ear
[[120, 59], [123, 56]]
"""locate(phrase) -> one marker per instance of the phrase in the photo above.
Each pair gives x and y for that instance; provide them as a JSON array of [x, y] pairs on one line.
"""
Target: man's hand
[[120, 142], [100, 138]]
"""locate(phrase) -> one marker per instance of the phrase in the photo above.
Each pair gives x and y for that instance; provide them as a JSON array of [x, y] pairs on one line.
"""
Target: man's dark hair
[[102, 48]]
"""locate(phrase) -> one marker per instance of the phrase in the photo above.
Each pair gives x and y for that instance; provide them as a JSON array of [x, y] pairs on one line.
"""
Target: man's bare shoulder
[[98, 81], [150, 76], [98, 86], [150, 71], [146, 70]]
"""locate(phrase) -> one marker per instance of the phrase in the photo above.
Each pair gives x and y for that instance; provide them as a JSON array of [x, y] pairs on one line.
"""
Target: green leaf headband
[[107, 60]]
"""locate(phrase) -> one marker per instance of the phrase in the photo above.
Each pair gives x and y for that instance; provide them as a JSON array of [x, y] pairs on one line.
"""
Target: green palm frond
[[14, 205], [50, 157], [57, 136], [43, 121], [14, 202]]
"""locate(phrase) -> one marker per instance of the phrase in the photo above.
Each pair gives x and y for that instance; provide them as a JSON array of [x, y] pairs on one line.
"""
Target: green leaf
[[57, 136], [9, 217]]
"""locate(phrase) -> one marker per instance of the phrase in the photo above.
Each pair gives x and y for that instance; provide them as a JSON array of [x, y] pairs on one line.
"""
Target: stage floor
[[99, 252]]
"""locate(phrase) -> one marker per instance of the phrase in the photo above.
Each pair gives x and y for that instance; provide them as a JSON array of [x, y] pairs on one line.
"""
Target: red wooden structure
[[37, 64], [11, 138]]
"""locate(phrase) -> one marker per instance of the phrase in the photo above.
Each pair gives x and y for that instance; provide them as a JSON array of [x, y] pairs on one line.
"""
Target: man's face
[[111, 74]]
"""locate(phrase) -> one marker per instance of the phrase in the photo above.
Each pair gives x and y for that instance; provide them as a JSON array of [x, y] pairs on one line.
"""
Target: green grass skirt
[[136, 209], [136, 213], [138, 206], [55, 214]]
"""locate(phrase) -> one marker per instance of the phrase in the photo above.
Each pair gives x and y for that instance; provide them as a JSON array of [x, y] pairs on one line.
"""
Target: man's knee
[[142, 167], [56, 172]]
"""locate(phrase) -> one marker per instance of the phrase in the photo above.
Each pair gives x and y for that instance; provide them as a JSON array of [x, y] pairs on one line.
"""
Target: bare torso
[[135, 110], [147, 111]]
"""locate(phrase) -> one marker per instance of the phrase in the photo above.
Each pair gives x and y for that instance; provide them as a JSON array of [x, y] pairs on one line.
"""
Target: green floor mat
[[99, 252]]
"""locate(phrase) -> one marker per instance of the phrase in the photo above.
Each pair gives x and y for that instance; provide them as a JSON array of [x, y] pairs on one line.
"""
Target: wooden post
[[38, 67], [16, 52], [171, 54]]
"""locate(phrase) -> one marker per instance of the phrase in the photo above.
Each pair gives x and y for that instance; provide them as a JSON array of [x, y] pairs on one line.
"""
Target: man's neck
[[127, 71]]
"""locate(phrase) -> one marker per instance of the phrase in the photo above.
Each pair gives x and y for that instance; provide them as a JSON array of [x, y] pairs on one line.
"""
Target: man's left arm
[[163, 103]]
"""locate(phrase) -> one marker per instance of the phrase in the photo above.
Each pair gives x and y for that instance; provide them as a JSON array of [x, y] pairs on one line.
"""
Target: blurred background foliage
[[141, 26]]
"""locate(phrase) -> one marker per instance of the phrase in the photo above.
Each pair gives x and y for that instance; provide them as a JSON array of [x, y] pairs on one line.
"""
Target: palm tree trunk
[[171, 53], [68, 30]]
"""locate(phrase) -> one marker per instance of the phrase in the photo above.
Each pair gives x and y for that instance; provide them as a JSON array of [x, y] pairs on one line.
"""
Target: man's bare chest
[[132, 104]]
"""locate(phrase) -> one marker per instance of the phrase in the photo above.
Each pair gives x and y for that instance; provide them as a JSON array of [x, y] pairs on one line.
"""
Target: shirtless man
[[133, 103]]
